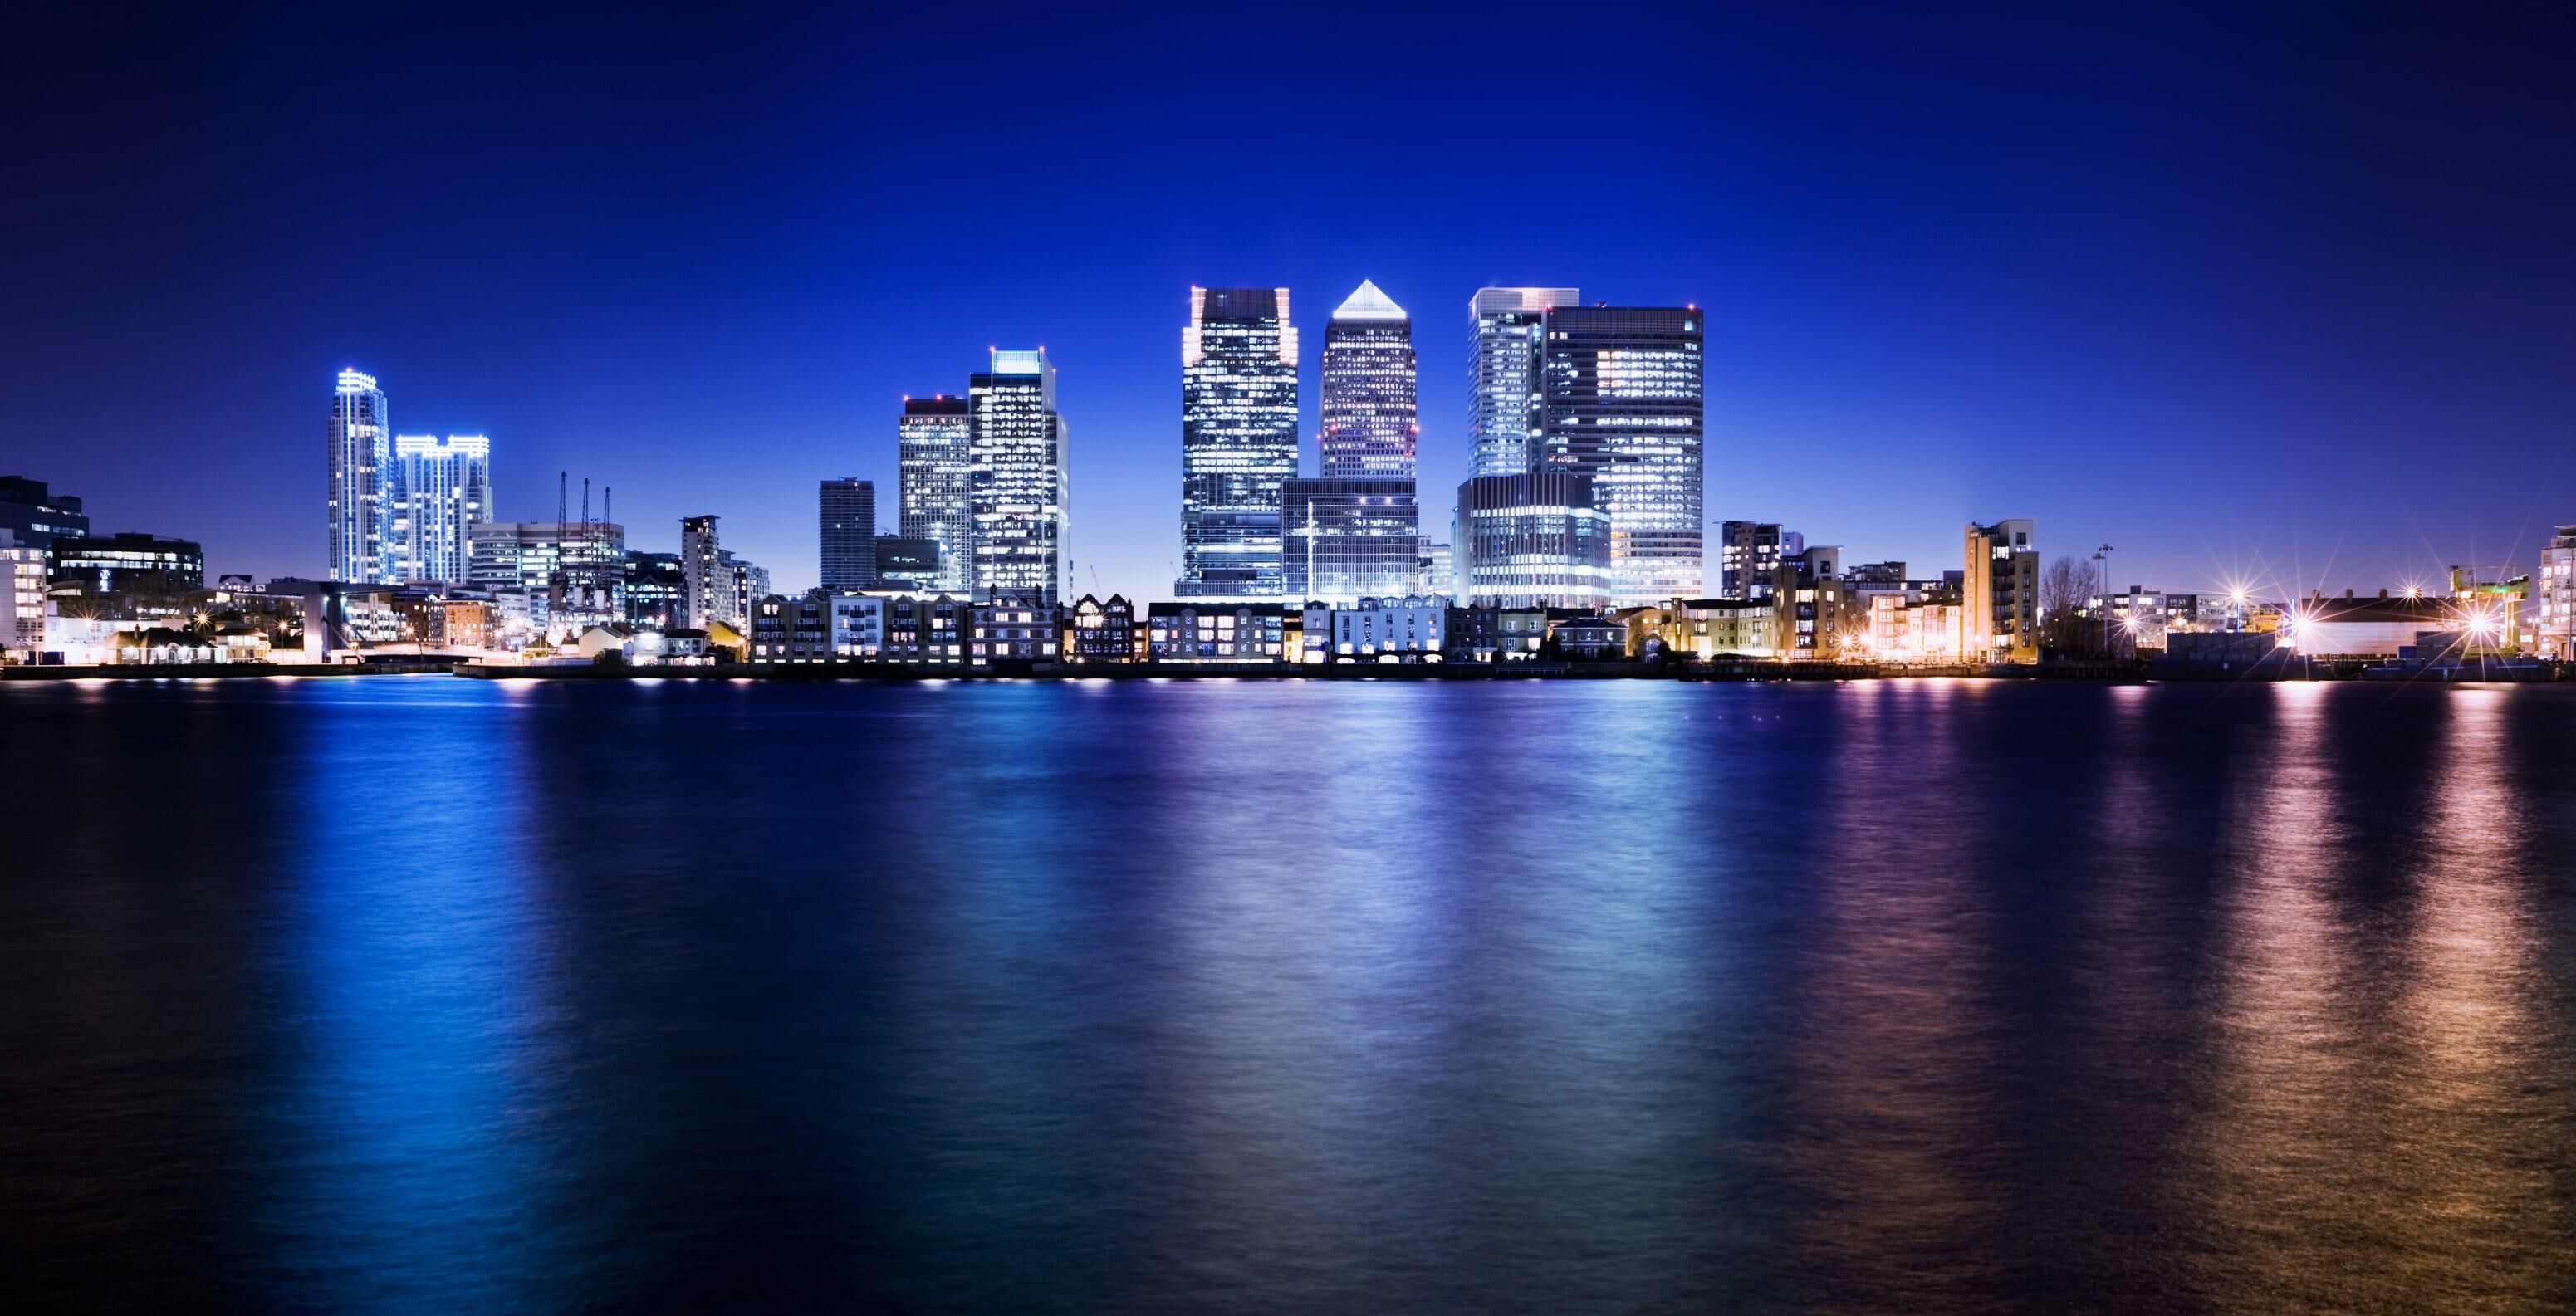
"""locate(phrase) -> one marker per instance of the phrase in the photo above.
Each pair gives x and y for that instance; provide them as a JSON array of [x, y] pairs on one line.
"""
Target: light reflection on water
[[1277, 996]]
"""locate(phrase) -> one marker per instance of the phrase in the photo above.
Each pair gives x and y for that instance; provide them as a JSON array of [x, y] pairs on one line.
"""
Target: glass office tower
[[441, 489], [1350, 539], [849, 534], [1532, 541], [1238, 440], [934, 448], [1503, 369], [1370, 420], [360, 450], [1620, 402], [1017, 494]]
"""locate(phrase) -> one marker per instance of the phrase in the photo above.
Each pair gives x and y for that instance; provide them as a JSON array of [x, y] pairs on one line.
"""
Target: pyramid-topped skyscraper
[[1369, 412]]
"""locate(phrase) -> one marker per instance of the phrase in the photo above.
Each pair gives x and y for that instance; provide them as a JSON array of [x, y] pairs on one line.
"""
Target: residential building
[[1709, 628], [2145, 616], [22, 574], [1238, 441], [1504, 374], [849, 534], [1621, 403], [1350, 538], [1808, 620], [654, 584], [1018, 496], [1410, 629], [707, 592], [2000, 590], [360, 451], [438, 491], [126, 564], [858, 625], [1588, 636], [1217, 631], [911, 564], [1102, 632], [1748, 553], [33, 514], [927, 628], [1484, 633], [2554, 623], [935, 454], [792, 630], [1015, 630], [1533, 540]]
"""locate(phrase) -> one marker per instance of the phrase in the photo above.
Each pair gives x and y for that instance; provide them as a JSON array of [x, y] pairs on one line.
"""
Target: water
[[430, 994]]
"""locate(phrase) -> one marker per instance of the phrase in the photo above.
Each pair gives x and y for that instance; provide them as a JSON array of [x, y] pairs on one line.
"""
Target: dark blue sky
[[2285, 293]]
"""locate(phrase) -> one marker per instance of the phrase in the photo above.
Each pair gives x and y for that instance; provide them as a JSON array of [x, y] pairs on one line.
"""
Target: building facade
[[440, 490], [33, 514], [927, 628], [910, 564], [1214, 631], [360, 452], [1098, 631], [1622, 404], [1371, 417], [1410, 629], [2000, 590], [126, 564], [1532, 540], [1350, 538], [935, 458], [706, 588], [858, 626], [22, 577], [654, 583], [1018, 492], [2554, 595], [849, 534], [1748, 552], [565, 576], [1503, 386], [1015, 630], [792, 630], [1238, 441]]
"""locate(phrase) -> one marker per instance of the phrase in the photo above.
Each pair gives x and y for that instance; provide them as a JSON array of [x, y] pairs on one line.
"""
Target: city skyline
[[2098, 321]]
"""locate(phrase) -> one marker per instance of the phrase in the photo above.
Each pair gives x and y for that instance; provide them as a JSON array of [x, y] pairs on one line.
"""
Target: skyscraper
[[1370, 421], [1238, 440], [440, 490], [849, 545], [934, 445], [1503, 384], [359, 452], [1533, 540], [1017, 497], [1620, 401]]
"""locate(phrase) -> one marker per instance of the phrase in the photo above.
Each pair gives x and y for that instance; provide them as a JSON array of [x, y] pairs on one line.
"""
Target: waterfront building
[[1015, 630], [1371, 418], [654, 583], [125, 564], [926, 628], [935, 457], [1748, 553], [910, 565], [858, 626], [849, 534], [1411, 629], [1102, 632], [1435, 569], [562, 576], [34, 514], [1709, 628], [2368, 626], [2145, 616], [360, 453], [1588, 636], [1349, 538], [439, 490], [797, 630], [707, 590], [2554, 622], [434, 620], [1216, 631], [1808, 619], [1484, 633], [1621, 403], [1018, 493], [22, 573], [1238, 440], [2000, 590], [1504, 372], [1533, 540], [1914, 628]]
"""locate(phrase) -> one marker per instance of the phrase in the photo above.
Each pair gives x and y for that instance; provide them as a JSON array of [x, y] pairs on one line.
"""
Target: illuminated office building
[[1532, 541], [126, 563], [34, 514], [653, 585], [1238, 440], [1503, 388], [1018, 494], [566, 574], [1348, 539], [360, 453], [440, 489], [849, 530], [934, 449], [1370, 419], [1621, 403]]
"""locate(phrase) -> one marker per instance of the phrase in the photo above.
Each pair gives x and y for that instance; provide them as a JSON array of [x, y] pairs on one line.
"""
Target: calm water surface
[[439, 995]]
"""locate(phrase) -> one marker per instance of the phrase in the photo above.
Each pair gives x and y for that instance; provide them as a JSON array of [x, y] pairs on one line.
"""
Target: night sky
[[2284, 294]]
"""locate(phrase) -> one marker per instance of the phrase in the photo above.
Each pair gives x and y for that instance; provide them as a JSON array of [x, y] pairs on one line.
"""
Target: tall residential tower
[[1238, 440], [360, 451], [849, 534], [440, 490]]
